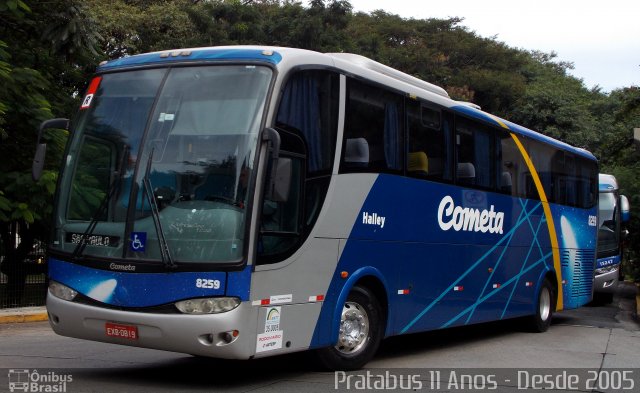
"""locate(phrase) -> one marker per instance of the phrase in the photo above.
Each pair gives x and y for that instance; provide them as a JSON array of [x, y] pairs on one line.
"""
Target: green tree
[[130, 27], [36, 70], [556, 104], [23, 203]]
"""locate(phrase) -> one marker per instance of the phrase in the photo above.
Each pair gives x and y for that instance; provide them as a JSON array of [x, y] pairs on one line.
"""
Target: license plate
[[121, 331]]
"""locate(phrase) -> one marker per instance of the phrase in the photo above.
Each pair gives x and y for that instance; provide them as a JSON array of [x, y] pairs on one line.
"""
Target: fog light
[[213, 305], [229, 337], [61, 291]]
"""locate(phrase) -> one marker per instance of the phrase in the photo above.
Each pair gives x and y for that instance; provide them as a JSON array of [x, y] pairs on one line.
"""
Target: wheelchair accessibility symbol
[[138, 241]]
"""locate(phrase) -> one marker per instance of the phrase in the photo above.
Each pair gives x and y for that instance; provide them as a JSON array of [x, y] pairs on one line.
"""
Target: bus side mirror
[[625, 208], [41, 148], [38, 161]]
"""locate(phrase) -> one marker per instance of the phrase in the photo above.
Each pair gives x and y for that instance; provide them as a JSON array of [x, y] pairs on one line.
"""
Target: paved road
[[604, 337]]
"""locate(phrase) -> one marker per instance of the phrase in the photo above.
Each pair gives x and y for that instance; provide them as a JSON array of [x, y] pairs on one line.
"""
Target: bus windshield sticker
[[279, 299], [138, 241], [272, 320], [93, 88], [166, 117], [269, 341]]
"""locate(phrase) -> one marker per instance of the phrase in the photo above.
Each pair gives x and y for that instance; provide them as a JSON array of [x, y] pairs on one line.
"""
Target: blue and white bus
[[242, 202], [613, 211]]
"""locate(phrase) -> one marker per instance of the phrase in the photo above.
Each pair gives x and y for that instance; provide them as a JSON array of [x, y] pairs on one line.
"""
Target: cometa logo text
[[468, 219]]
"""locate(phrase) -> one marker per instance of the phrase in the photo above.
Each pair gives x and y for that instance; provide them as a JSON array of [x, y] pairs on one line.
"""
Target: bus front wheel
[[545, 305], [359, 334]]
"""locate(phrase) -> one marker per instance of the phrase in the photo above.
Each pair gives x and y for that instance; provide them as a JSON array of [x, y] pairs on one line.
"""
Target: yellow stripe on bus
[[498, 120], [547, 213]]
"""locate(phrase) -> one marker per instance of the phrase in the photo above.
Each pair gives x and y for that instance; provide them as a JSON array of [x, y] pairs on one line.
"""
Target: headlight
[[213, 305], [61, 291]]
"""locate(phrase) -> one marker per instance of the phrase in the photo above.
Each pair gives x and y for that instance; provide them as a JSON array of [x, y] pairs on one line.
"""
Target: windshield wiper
[[165, 254], [111, 191]]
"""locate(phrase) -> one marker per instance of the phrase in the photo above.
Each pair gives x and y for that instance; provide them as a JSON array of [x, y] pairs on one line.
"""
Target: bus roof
[[227, 53], [288, 58]]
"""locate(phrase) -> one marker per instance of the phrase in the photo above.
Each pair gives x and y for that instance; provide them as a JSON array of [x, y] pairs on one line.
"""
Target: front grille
[[161, 309]]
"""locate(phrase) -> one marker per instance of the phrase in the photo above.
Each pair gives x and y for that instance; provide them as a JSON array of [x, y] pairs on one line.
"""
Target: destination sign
[[94, 240]]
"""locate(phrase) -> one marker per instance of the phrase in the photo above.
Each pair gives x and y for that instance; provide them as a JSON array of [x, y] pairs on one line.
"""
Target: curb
[[20, 315]]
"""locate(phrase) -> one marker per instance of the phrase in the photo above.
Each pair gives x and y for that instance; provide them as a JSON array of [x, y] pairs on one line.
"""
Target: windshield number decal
[[207, 283], [87, 101], [93, 88]]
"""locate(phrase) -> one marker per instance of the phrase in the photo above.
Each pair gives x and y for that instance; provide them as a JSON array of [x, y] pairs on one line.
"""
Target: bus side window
[[309, 107], [573, 179], [427, 145], [307, 121], [542, 158], [372, 130], [530, 190], [588, 185], [280, 221], [510, 164], [475, 154], [356, 153]]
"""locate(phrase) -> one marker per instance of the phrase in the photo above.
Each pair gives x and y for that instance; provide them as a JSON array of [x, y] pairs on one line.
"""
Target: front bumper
[[194, 334]]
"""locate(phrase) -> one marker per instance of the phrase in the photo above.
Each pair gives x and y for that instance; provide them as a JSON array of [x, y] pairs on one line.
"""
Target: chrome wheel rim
[[354, 329], [545, 304]]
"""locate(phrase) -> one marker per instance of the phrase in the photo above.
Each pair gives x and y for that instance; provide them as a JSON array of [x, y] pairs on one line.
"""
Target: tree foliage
[[39, 75]]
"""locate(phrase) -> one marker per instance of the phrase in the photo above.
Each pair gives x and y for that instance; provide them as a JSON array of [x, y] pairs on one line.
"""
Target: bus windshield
[[161, 160], [608, 222]]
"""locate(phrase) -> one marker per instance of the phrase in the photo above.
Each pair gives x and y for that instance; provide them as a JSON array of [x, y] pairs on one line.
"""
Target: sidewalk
[[25, 314]]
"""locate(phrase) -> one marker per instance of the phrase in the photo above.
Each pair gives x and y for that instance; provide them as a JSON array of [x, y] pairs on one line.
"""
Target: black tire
[[545, 306], [350, 352]]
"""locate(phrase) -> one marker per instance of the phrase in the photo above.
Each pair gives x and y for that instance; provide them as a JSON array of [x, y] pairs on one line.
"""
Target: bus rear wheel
[[545, 305], [359, 334]]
